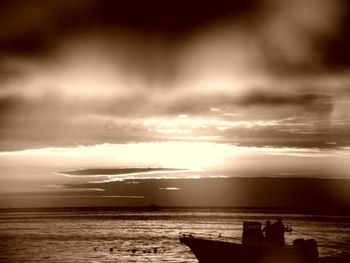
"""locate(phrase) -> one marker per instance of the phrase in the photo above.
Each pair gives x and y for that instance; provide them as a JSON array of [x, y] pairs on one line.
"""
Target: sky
[[219, 88]]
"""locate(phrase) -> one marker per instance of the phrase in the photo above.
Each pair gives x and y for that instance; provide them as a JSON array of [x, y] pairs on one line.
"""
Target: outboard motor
[[311, 248]]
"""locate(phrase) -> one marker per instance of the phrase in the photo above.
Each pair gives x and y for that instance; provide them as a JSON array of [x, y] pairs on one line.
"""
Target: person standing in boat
[[268, 230], [278, 230]]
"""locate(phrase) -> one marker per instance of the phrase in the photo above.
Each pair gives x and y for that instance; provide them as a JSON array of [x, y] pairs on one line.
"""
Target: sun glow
[[207, 158], [189, 155]]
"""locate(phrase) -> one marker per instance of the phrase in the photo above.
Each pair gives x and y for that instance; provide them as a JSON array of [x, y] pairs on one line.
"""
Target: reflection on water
[[138, 235]]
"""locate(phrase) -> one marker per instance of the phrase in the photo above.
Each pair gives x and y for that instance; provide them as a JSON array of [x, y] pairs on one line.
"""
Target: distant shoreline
[[273, 210]]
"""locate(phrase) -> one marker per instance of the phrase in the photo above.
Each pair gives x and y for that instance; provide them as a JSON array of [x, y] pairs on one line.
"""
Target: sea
[[96, 235]]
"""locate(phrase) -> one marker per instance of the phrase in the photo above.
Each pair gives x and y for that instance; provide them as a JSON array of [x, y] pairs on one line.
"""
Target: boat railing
[[211, 236]]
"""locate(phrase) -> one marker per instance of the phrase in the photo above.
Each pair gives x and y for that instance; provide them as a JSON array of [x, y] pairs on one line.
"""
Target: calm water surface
[[111, 235]]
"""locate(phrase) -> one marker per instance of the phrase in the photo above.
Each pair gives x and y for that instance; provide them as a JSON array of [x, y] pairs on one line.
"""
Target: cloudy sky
[[221, 88]]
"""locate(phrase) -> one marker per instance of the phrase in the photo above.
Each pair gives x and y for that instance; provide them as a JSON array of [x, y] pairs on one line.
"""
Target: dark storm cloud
[[262, 118], [153, 14], [146, 35], [299, 135], [140, 105], [337, 53], [274, 98], [99, 71], [310, 102], [52, 121], [34, 27]]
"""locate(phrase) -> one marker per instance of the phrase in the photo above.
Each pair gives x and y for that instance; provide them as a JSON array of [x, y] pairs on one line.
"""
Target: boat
[[254, 248]]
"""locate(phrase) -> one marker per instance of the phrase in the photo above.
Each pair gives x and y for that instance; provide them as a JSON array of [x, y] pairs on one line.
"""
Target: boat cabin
[[252, 233]]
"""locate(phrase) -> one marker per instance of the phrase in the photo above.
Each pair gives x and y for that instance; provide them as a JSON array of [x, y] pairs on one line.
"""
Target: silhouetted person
[[278, 230], [268, 230]]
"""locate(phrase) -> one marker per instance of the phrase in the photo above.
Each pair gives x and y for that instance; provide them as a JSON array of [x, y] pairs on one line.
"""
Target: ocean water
[[144, 235]]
